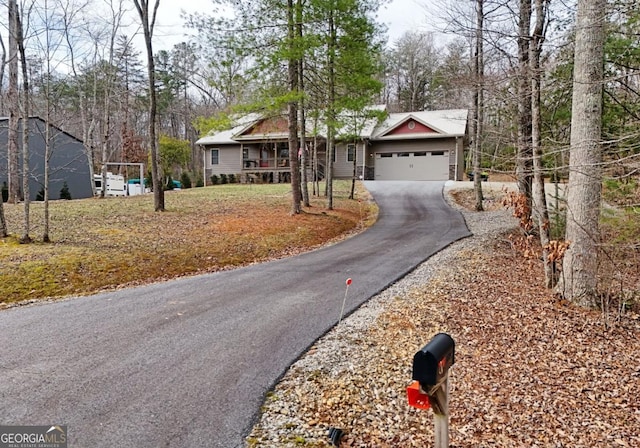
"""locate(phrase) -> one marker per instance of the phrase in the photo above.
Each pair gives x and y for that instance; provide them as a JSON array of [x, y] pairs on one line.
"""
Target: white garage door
[[417, 165]]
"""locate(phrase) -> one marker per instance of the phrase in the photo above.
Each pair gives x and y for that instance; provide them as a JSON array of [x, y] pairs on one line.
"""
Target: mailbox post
[[431, 383]]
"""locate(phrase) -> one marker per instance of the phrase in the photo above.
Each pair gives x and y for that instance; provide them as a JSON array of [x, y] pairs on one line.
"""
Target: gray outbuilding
[[68, 161]]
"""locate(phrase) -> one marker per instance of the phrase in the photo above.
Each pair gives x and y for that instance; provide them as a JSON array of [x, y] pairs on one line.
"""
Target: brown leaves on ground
[[533, 371], [106, 243], [530, 371]]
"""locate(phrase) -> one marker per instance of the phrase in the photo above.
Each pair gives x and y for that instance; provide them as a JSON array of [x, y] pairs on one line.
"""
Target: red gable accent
[[404, 128], [277, 125]]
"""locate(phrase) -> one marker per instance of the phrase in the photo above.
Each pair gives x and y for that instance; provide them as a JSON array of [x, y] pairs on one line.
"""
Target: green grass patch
[[101, 244]]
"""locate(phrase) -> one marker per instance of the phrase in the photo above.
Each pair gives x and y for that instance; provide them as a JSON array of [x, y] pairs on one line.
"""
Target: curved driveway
[[187, 363]]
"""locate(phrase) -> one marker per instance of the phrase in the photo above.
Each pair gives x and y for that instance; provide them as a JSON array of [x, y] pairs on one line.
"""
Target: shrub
[[215, 180], [199, 181], [40, 195], [5, 192], [185, 179], [64, 192], [232, 178], [224, 179]]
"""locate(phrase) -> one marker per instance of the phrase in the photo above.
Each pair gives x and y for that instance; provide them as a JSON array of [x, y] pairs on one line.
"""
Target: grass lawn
[[101, 244]]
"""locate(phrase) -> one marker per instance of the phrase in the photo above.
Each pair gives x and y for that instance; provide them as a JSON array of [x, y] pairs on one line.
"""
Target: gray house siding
[[342, 167], [68, 161], [229, 160], [435, 139]]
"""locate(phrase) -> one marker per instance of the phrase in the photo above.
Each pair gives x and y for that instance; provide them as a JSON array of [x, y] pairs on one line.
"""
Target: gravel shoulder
[[530, 370]]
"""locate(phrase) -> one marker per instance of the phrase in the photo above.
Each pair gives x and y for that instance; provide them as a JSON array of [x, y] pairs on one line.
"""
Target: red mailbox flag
[[416, 398]]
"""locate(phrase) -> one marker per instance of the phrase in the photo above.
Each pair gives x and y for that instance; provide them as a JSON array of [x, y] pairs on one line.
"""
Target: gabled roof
[[58, 129], [443, 123], [434, 124], [226, 137], [265, 128]]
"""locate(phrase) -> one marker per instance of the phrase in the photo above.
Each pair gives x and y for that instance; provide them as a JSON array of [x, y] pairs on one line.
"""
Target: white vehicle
[[115, 185]]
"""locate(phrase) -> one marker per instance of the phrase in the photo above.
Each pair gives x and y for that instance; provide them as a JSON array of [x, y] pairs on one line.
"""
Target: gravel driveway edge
[[291, 415]]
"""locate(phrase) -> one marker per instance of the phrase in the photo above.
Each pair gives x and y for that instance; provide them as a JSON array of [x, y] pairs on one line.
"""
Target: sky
[[398, 15]]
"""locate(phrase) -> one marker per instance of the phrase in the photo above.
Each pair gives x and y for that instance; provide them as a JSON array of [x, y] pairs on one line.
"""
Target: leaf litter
[[530, 371]]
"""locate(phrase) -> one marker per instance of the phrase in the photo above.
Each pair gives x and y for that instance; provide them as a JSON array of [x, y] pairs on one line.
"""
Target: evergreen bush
[[64, 192], [185, 179]]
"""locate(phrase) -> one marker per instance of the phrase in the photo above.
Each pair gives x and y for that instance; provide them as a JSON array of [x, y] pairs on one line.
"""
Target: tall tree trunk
[[148, 23], [540, 210], [293, 64], [3, 221], [354, 174], [14, 107], [478, 107], [302, 122], [3, 60], [304, 156], [578, 282], [331, 109], [47, 157], [26, 99], [525, 156]]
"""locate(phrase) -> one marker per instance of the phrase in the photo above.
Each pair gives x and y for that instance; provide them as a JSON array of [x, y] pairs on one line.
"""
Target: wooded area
[[553, 88]]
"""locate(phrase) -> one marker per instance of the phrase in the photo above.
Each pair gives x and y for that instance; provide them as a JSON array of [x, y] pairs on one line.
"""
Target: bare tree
[[13, 106], [54, 18], [578, 282], [148, 23], [85, 105], [524, 159], [25, 238], [3, 222], [539, 197], [478, 106], [413, 65], [110, 80], [3, 63]]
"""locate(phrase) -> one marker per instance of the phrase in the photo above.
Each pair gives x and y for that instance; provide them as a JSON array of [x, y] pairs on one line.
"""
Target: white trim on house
[[446, 123], [447, 132]]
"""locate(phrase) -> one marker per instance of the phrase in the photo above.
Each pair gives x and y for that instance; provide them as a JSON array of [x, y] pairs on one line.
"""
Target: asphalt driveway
[[187, 363]]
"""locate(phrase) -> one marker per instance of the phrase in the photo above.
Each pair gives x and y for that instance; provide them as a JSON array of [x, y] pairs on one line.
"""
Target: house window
[[215, 156], [411, 125], [437, 153], [351, 152], [334, 154], [420, 154], [403, 154]]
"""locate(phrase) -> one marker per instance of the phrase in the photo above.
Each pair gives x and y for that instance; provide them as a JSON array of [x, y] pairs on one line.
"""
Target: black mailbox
[[432, 362]]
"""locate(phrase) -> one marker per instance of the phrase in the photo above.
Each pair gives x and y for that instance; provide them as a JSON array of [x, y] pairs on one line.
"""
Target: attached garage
[[417, 165], [419, 146]]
